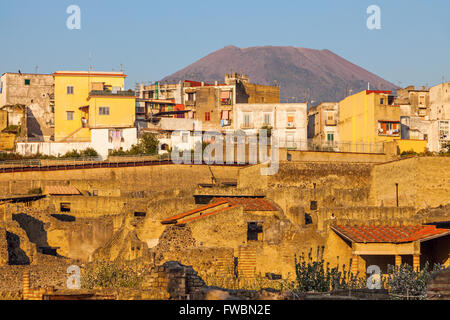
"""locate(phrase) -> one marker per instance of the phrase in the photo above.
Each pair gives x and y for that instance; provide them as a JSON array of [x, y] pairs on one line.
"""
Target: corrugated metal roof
[[388, 234], [62, 190]]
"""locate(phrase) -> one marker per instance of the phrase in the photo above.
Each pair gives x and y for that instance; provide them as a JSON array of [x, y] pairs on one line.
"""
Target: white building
[[288, 121]]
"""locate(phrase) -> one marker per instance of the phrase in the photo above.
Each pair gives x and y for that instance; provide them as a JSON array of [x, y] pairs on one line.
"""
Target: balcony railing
[[331, 146], [111, 93], [247, 126], [190, 103], [330, 122]]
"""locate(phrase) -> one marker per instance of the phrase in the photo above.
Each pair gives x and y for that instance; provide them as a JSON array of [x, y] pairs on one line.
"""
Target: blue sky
[[153, 39]]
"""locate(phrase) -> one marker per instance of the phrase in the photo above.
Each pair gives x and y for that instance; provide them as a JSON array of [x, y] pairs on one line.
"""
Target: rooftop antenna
[[368, 85], [36, 69], [121, 67], [90, 62]]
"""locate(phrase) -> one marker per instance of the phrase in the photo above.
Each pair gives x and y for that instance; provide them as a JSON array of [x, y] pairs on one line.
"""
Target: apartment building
[[323, 124], [286, 121], [92, 110], [212, 104], [369, 117]]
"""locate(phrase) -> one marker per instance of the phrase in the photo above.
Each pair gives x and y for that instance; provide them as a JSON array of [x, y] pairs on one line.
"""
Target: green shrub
[[147, 145], [111, 275], [315, 275], [35, 191], [405, 283]]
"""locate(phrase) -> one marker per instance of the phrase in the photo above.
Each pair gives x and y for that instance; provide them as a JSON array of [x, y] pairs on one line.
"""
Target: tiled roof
[[390, 234], [62, 190], [249, 204]]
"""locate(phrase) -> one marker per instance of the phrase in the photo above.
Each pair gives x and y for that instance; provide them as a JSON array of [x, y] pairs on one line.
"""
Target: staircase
[[247, 261]]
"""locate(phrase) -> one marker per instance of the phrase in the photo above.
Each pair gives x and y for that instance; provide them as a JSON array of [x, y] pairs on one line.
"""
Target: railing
[[247, 126], [332, 146], [84, 163], [111, 93]]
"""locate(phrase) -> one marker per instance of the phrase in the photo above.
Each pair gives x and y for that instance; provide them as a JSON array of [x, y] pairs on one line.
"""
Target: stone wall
[[422, 182], [175, 279], [118, 181], [3, 247], [438, 287]]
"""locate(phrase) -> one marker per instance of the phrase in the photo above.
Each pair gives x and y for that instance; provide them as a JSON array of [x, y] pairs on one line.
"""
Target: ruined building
[[29, 100]]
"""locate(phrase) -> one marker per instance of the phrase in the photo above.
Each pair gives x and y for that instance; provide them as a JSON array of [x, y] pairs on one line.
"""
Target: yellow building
[[93, 107], [369, 117]]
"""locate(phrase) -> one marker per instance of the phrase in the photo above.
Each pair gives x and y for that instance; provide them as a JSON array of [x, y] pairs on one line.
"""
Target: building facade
[[323, 124], [286, 121], [92, 110], [29, 100], [367, 119], [212, 104]]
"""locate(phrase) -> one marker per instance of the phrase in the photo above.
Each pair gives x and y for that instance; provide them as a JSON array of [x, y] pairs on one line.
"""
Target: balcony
[[290, 125], [111, 93], [390, 133], [330, 122], [140, 110], [225, 102], [247, 126], [190, 103]]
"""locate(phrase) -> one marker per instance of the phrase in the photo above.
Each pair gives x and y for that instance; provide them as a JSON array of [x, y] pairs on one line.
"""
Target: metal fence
[[332, 146]]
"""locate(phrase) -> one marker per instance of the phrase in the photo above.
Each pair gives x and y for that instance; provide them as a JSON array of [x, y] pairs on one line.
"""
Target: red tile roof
[[61, 190], [388, 234], [249, 204]]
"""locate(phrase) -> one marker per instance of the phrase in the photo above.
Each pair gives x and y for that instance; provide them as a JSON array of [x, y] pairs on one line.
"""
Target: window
[[267, 119], [330, 137], [140, 214], [191, 96], [422, 100], [64, 207], [247, 119], [185, 137], [381, 100], [103, 111], [69, 89], [69, 115], [388, 128], [330, 116], [254, 231], [27, 82], [207, 116], [290, 121]]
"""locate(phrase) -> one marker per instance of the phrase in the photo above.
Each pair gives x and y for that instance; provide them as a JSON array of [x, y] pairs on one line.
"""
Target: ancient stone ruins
[[220, 232]]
